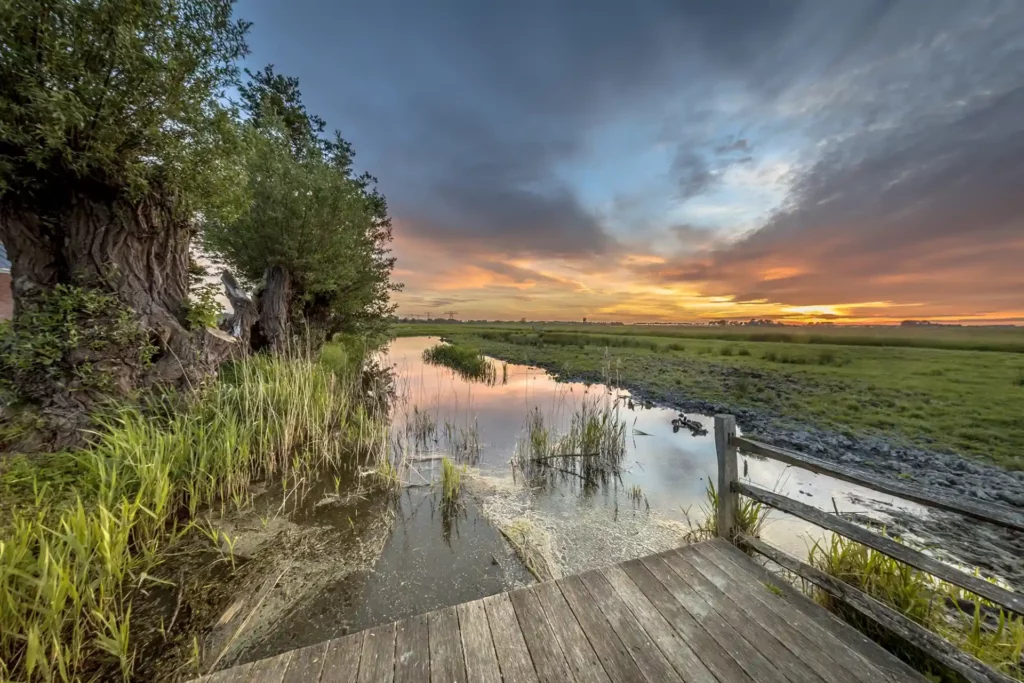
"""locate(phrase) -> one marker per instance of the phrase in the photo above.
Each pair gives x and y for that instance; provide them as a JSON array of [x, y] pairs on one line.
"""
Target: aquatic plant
[[462, 440], [973, 624], [451, 483], [591, 449], [751, 517], [421, 426], [466, 361], [88, 528]]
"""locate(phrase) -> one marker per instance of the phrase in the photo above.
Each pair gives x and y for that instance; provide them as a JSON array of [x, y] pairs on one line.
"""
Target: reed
[[451, 484], [751, 517], [966, 620], [76, 551], [466, 361]]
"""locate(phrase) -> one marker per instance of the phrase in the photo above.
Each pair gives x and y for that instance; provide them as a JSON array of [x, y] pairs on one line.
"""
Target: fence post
[[728, 500]]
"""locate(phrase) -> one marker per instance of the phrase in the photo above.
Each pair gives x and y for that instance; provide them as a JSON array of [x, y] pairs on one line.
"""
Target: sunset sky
[[671, 160]]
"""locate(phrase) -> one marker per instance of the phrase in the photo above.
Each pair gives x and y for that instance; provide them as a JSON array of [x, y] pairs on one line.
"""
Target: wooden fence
[[730, 488]]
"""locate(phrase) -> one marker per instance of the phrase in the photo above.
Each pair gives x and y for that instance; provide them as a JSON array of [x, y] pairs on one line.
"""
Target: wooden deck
[[705, 613]]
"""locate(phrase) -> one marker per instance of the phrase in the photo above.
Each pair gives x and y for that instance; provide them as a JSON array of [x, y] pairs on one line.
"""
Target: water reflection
[[661, 470], [557, 477]]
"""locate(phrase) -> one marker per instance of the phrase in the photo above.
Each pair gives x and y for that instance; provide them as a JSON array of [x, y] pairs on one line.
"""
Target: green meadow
[[947, 389]]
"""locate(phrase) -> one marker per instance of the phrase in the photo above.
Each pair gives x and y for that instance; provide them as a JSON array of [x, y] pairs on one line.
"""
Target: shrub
[[49, 344]]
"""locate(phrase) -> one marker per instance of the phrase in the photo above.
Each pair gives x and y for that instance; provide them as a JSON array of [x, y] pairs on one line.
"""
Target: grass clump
[[751, 516], [79, 546], [591, 449], [971, 623], [464, 360], [451, 484]]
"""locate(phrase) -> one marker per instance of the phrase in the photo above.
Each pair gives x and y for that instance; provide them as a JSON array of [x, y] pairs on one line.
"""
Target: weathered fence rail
[[911, 633]]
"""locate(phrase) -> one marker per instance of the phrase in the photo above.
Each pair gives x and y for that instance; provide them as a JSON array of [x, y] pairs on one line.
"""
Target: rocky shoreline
[[996, 551]]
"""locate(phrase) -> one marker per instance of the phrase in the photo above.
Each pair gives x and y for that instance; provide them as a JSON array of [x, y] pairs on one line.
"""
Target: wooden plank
[[646, 655], [236, 674], [994, 513], [1000, 596], [513, 656], [412, 650], [810, 643], [447, 664], [898, 625], [803, 618], [341, 663], [377, 661], [578, 651], [700, 596], [547, 656], [723, 651], [306, 664], [609, 648], [481, 659], [799, 605], [684, 660], [728, 473], [270, 670]]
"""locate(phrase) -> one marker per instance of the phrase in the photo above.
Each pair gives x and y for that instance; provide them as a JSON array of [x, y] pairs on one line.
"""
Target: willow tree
[[314, 242], [112, 138]]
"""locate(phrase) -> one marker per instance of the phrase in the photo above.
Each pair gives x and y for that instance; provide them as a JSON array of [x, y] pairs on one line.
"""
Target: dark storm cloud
[[465, 109], [920, 176], [901, 121]]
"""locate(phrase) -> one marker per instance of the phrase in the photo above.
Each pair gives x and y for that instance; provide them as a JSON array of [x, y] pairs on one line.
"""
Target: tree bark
[[135, 250], [275, 308], [244, 316]]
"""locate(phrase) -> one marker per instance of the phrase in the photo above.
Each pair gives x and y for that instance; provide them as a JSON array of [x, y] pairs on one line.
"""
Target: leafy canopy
[[308, 212], [328, 229], [117, 94]]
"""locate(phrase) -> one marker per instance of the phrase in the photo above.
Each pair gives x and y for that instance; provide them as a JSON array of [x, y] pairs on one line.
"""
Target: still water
[[412, 555]]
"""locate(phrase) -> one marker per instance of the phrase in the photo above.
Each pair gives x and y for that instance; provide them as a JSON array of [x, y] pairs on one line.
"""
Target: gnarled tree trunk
[[244, 316], [275, 308], [136, 250]]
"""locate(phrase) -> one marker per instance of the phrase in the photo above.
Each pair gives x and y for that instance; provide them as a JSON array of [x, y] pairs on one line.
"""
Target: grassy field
[[1006, 339], [921, 387]]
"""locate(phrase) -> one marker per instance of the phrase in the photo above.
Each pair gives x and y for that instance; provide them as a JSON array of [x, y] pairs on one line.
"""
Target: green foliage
[[451, 484], [465, 360], [118, 94], [329, 230], [203, 307], [950, 611], [88, 528], [1007, 340], [751, 516], [66, 337]]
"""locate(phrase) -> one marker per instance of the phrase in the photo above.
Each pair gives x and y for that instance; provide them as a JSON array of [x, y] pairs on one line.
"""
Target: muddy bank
[[974, 544]]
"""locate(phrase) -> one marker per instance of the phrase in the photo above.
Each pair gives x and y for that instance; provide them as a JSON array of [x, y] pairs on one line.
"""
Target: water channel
[[350, 560]]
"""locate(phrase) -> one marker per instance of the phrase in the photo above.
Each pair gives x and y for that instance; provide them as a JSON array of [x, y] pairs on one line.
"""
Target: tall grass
[[451, 483], [968, 621], [464, 360], [76, 552], [591, 449], [751, 516]]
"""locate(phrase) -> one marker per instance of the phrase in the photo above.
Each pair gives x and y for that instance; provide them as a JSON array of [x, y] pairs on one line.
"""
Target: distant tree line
[[122, 161]]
